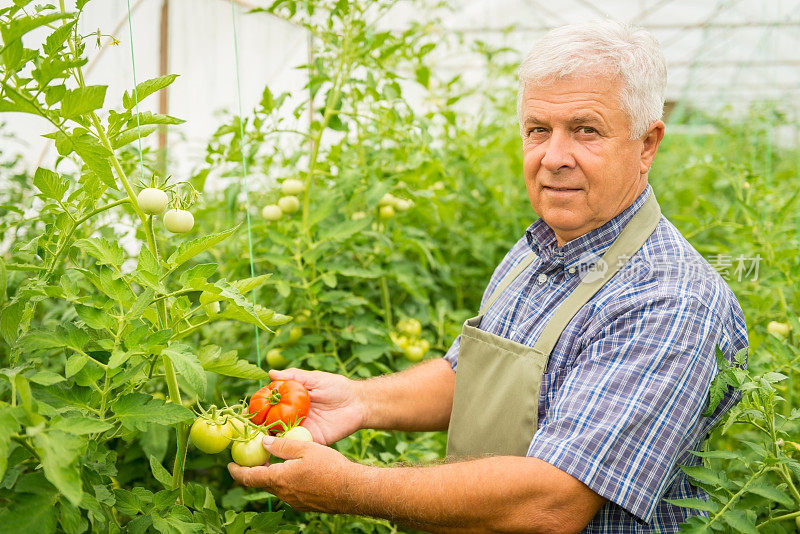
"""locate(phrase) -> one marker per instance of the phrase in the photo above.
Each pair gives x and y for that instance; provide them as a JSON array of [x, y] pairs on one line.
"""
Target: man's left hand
[[313, 477]]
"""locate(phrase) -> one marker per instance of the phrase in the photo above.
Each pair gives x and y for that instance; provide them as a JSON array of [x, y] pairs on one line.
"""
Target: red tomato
[[281, 400]]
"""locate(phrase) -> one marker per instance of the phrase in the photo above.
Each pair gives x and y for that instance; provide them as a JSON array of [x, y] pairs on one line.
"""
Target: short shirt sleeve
[[633, 402]]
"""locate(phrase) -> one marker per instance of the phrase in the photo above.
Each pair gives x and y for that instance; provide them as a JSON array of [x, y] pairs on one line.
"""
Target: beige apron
[[496, 400]]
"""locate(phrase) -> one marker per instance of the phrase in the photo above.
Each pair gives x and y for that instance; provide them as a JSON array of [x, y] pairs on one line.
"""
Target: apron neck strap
[[507, 279], [627, 243]]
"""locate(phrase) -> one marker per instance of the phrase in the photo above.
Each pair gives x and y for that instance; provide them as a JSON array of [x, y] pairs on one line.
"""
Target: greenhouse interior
[[244, 245]]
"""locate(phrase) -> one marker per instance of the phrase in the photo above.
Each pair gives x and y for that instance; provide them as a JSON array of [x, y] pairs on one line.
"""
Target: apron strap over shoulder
[[628, 243], [507, 279]]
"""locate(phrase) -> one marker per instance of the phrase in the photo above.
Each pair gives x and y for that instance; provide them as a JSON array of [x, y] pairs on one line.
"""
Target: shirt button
[[572, 270], [542, 278]]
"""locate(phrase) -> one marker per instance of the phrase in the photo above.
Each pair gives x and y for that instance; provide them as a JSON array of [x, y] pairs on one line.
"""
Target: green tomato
[[386, 212], [295, 334], [410, 327], [358, 215], [292, 187], [250, 453], [152, 201], [178, 221], [271, 212], [275, 359], [779, 329], [387, 200], [210, 437], [402, 204], [298, 433], [288, 204], [414, 353]]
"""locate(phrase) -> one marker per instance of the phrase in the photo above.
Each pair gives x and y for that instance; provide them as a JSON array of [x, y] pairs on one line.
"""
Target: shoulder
[[668, 273]]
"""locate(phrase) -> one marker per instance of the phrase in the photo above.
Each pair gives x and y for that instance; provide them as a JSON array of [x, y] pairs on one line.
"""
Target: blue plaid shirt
[[624, 390]]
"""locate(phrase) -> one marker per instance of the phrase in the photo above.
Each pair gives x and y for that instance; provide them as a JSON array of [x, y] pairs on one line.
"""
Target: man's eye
[[536, 130], [587, 130]]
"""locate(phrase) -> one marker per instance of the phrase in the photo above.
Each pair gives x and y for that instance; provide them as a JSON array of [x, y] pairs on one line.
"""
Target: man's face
[[581, 167]]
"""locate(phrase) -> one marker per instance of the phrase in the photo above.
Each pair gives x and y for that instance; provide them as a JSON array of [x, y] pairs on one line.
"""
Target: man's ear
[[651, 140]]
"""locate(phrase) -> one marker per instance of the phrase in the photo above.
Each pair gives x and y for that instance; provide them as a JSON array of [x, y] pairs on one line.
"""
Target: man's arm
[[496, 494], [417, 399]]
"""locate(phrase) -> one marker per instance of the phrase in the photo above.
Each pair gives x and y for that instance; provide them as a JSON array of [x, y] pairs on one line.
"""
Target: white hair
[[603, 48]]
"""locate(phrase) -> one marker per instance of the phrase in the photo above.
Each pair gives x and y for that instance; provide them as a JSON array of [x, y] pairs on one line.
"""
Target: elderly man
[[573, 396]]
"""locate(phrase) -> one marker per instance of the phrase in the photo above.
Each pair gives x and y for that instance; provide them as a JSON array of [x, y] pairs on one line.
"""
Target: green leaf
[[127, 502], [46, 378], [702, 474], [107, 252], [8, 426], [131, 135], [145, 89], [188, 366], [212, 359], [95, 156], [136, 411], [190, 249], [695, 504], [59, 453], [83, 100], [55, 41], [30, 513], [739, 521], [19, 27], [94, 318], [773, 494], [176, 522], [152, 118], [343, 230], [74, 364], [79, 425], [140, 305], [160, 473], [50, 184]]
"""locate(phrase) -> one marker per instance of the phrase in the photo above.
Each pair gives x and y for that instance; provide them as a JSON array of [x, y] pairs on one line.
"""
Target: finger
[[252, 477], [286, 449], [292, 373]]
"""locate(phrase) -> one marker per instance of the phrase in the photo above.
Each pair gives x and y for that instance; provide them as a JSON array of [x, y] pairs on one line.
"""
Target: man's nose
[[558, 152]]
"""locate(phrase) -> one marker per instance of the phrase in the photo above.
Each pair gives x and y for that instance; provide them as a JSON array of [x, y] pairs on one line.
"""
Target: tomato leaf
[[8, 426], [772, 493], [59, 453], [136, 411], [78, 425], [131, 135], [695, 504], [740, 521], [82, 100], [189, 250], [212, 359], [30, 512], [145, 89], [107, 252], [160, 473], [50, 184], [188, 366]]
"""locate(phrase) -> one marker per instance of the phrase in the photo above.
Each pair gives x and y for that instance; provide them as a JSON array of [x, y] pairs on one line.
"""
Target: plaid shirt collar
[[585, 249]]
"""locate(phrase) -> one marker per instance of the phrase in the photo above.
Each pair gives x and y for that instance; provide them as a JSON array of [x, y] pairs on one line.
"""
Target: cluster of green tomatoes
[[154, 201], [288, 203], [408, 338]]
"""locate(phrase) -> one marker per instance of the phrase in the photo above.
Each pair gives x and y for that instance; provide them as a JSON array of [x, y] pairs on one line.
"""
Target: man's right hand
[[336, 408]]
